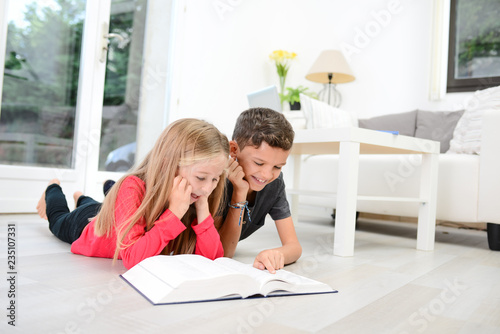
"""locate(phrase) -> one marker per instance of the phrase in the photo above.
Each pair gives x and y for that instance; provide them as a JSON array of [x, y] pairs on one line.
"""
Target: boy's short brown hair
[[256, 125]]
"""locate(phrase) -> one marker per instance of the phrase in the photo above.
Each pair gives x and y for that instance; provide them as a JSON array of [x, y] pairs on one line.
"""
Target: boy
[[260, 145]]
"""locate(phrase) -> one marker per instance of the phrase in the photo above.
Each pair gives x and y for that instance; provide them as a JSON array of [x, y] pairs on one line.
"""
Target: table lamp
[[330, 68]]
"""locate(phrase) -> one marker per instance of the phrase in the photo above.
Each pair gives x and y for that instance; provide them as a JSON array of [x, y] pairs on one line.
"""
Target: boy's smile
[[262, 164]]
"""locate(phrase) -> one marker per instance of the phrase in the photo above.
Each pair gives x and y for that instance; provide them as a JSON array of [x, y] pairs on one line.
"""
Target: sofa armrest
[[489, 169]]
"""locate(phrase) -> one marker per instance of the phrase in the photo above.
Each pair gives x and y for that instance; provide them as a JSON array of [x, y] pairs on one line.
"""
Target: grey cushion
[[404, 122], [438, 126]]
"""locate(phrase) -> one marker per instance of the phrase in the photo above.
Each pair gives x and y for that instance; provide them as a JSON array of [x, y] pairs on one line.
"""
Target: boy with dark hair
[[260, 145]]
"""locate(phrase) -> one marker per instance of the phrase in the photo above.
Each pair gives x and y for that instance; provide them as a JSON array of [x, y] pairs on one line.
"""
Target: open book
[[164, 279]]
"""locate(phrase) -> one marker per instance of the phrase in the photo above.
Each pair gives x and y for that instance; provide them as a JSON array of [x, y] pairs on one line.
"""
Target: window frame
[[462, 85]]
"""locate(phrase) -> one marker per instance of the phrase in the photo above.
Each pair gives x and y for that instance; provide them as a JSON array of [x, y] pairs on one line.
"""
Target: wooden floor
[[386, 287]]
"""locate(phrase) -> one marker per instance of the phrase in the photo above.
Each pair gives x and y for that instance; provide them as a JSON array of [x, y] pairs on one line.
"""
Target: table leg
[[294, 206], [347, 193], [428, 192]]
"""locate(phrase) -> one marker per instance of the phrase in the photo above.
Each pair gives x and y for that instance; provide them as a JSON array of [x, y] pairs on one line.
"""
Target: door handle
[[105, 41]]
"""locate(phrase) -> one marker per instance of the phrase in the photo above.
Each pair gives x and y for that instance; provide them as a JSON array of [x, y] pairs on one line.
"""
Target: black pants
[[65, 224]]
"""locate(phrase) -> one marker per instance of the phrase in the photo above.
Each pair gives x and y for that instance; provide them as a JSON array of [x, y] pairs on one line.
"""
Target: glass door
[[40, 84], [119, 109], [63, 61], [122, 85]]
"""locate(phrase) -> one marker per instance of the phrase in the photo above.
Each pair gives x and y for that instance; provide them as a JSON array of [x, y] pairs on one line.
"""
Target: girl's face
[[203, 176], [261, 165]]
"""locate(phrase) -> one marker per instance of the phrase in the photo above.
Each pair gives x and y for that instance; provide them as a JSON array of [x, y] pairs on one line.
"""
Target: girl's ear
[[234, 149]]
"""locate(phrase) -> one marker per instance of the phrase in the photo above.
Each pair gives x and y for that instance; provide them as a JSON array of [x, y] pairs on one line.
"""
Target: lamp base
[[329, 94]]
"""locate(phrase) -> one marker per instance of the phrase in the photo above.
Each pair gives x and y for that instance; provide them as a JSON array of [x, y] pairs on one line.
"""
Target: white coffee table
[[349, 143]]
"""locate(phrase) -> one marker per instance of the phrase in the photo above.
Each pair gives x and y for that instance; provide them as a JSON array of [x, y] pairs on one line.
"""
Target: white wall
[[222, 49]]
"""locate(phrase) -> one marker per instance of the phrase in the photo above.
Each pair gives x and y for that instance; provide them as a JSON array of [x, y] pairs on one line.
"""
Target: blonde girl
[[163, 206]]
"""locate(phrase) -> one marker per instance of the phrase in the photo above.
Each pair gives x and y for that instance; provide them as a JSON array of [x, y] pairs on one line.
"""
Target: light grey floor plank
[[386, 287]]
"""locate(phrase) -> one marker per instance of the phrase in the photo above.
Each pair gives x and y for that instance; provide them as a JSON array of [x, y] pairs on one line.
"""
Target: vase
[[295, 106]]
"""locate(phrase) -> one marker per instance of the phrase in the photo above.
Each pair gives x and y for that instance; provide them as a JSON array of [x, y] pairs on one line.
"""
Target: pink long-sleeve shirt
[[145, 244]]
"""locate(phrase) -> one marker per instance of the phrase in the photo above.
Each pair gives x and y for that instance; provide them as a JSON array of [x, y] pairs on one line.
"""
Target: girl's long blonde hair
[[182, 143]]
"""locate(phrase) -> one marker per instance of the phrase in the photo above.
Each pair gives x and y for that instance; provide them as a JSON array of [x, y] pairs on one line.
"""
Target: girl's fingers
[[182, 184], [179, 182], [182, 187]]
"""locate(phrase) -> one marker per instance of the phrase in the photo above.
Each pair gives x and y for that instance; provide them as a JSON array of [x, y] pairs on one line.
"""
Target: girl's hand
[[236, 176], [269, 259], [202, 210], [180, 197]]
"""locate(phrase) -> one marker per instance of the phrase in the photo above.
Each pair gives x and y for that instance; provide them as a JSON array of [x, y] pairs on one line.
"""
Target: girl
[[161, 207]]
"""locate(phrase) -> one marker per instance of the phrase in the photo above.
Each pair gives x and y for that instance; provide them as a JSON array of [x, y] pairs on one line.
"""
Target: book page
[[282, 280], [175, 270], [150, 286], [167, 279], [263, 276], [260, 276]]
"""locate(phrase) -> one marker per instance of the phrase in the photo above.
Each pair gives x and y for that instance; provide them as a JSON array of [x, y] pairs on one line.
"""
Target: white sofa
[[468, 189]]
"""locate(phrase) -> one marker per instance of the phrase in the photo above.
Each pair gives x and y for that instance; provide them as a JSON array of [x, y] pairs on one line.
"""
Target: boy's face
[[261, 165]]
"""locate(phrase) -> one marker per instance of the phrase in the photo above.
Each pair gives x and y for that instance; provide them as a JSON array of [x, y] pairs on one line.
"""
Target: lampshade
[[330, 61]]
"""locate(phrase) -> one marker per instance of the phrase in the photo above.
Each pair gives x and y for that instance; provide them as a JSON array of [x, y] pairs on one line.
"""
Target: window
[[474, 45], [41, 75]]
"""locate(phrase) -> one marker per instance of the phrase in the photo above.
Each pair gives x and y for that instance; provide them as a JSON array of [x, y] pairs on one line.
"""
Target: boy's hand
[[202, 210], [236, 176], [269, 259], [180, 197]]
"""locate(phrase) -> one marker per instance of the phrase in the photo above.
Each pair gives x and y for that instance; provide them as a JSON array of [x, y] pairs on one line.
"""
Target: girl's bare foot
[[76, 196], [42, 206]]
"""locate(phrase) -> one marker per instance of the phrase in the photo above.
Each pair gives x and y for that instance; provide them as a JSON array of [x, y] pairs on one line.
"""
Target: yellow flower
[[282, 61], [281, 55]]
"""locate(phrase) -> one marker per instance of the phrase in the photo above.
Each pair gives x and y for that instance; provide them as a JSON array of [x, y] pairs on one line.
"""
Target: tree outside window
[[474, 48]]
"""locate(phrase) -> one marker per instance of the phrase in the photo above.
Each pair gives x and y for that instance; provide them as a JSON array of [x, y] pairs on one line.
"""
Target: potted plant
[[282, 59], [292, 96]]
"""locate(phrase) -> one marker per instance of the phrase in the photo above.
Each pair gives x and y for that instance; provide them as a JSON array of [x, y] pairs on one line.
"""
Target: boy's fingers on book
[[260, 265], [279, 260], [276, 262], [271, 269], [269, 265]]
